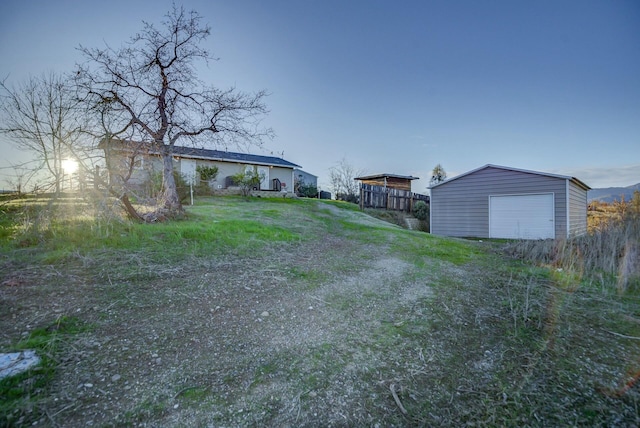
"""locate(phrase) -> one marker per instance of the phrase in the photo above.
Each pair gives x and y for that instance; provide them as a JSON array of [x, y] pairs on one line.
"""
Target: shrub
[[248, 179], [348, 197], [207, 173], [307, 191], [421, 210]]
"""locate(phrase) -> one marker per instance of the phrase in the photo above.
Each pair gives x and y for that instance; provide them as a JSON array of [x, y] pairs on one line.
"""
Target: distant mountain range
[[610, 194]]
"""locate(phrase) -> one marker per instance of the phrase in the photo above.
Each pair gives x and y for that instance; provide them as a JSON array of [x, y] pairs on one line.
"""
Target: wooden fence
[[389, 198]]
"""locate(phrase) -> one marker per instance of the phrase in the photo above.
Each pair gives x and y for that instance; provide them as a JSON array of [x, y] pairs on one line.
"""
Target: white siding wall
[[153, 164]]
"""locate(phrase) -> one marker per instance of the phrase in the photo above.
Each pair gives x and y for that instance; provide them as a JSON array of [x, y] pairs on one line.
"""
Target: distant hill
[[610, 194]]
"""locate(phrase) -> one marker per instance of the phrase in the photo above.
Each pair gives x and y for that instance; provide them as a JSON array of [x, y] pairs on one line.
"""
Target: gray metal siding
[[461, 207], [577, 210]]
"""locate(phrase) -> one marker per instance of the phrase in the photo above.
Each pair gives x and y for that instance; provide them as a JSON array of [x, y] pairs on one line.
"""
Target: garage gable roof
[[506, 168]]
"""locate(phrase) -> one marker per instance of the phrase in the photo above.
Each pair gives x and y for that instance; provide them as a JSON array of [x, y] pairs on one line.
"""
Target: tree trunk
[[131, 211], [170, 198]]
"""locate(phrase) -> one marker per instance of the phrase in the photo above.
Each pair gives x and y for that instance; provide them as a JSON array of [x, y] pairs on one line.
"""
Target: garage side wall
[[577, 210], [461, 207]]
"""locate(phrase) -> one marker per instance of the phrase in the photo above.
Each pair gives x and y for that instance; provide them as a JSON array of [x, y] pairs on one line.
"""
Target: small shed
[[391, 181], [502, 202]]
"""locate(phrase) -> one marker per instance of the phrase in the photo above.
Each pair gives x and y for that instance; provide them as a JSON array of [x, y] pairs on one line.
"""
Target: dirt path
[[334, 331]]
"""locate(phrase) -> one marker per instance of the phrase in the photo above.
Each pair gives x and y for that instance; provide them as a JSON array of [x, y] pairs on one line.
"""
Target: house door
[[522, 216], [188, 170], [263, 173]]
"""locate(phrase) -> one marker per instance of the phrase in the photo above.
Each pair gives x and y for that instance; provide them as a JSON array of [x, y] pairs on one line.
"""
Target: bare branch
[[149, 89]]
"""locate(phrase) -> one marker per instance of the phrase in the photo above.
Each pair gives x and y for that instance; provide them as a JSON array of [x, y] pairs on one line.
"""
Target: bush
[[424, 226], [207, 173], [421, 211], [307, 191], [247, 180], [348, 197]]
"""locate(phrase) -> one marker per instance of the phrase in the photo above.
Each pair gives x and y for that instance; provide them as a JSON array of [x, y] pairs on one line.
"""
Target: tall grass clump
[[58, 221], [608, 255]]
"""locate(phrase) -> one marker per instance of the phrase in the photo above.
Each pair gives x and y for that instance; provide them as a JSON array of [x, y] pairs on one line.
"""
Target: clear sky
[[394, 86]]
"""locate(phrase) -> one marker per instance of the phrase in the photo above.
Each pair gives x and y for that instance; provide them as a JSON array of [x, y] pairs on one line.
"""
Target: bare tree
[[343, 183], [23, 177], [40, 116], [150, 92]]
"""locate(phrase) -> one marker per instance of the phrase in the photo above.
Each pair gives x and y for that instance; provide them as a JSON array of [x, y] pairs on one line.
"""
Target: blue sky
[[395, 86]]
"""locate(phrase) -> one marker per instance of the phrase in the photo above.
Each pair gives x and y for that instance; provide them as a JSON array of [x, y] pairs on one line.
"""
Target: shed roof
[[385, 175], [507, 168]]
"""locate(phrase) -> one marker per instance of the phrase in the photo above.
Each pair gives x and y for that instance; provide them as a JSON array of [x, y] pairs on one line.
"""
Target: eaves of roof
[[563, 177], [224, 156], [206, 154], [384, 175]]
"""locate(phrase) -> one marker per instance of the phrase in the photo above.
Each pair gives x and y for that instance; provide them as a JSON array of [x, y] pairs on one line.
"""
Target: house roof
[[206, 154], [224, 156], [546, 174], [385, 175]]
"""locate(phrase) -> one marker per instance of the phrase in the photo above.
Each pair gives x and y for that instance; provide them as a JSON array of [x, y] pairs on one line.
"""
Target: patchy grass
[[20, 395], [274, 312]]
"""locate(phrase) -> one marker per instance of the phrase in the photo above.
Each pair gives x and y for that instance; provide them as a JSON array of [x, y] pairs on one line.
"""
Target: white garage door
[[521, 217]]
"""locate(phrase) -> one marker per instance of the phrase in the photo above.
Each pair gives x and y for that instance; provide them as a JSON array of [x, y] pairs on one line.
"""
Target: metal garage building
[[501, 202]]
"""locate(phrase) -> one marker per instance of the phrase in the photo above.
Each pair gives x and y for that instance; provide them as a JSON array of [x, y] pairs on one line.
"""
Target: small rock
[[313, 394], [264, 314], [88, 385], [115, 378], [175, 406], [158, 360]]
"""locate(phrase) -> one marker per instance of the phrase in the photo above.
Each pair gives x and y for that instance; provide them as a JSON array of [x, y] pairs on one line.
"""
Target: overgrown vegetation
[[607, 256], [285, 312]]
